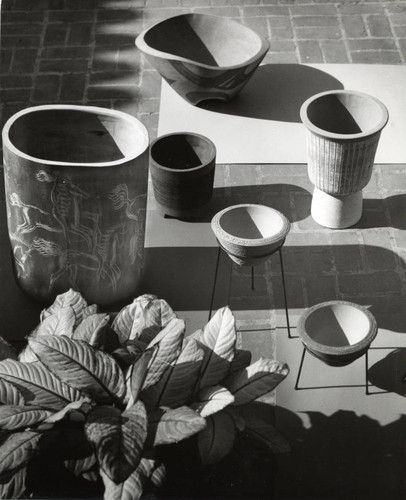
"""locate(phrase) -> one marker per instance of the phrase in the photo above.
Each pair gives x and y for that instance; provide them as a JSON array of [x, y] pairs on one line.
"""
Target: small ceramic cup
[[182, 169]]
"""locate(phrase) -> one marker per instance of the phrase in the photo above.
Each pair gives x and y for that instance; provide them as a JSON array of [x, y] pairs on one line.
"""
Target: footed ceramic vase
[[343, 131], [203, 56], [337, 332], [250, 233], [182, 167], [76, 181]]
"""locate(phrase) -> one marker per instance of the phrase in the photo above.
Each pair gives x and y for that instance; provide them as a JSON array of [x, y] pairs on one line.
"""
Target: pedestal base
[[335, 211]]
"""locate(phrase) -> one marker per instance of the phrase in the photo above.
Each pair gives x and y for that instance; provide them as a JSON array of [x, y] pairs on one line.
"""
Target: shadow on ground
[[276, 92], [341, 456], [389, 373]]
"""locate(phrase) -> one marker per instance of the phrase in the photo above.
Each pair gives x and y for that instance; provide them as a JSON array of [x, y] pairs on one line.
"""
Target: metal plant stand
[[297, 388], [277, 250]]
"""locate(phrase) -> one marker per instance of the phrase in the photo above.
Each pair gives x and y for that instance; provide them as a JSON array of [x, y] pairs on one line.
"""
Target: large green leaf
[[92, 330], [131, 488], [9, 394], [71, 299], [61, 322], [37, 385], [118, 438], [128, 352], [143, 319], [158, 476], [171, 426], [260, 428], [219, 338], [256, 380], [14, 417], [81, 465], [75, 411], [138, 373], [17, 449], [169, 342], [177, 384], [89, 311], [241, 360], [79, 365], [217, 439], [212, 400], [6, 350], [15, 487]]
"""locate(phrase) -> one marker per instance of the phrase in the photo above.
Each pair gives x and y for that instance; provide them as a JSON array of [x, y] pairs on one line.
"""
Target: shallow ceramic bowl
[[250, 233], [337, 332], [203, 56]]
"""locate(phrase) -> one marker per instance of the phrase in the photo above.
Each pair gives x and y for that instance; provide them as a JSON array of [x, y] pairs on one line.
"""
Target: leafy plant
[[104, 396]]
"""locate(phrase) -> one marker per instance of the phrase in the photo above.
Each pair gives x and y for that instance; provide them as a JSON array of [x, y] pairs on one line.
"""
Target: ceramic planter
[[344, 127], [203, 56], [337, 332], [250, 233], [182, 169], [75, 180]]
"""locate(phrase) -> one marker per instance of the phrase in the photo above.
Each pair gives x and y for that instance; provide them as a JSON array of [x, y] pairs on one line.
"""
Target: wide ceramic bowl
[[250, 233], [203, 56], [337, 332]]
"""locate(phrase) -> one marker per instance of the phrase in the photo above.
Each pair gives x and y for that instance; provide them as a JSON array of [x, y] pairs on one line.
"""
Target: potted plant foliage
[[107, 401]]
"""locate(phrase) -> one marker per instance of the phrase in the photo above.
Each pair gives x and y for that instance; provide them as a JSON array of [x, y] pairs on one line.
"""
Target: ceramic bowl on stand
[[337, 332], [250, 233], [203, 56]]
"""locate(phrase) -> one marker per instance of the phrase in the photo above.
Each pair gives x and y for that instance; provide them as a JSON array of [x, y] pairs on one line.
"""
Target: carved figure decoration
[[76, 197]]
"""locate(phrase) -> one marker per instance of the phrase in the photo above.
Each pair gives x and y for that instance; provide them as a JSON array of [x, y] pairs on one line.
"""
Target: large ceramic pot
[[344, 128], [76, 182], [182, 169], [337, 332], [250, 233], [203, 56]]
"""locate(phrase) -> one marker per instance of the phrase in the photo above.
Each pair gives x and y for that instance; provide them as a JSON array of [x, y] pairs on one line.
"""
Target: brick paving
[[83, 52]]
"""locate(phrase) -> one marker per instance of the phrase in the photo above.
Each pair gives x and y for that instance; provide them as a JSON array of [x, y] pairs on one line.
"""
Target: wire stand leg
[[214, 283], [300, 370], [284, 293], [367, 392]]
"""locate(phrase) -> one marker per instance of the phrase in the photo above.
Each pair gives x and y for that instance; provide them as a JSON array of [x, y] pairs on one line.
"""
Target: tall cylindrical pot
[[182, 169], [76, 183], [343, 131]]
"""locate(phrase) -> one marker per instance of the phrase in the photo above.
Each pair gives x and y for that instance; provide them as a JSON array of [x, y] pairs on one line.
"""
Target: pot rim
[[144, 47], [205, 139], [363, 344], [75, 107], [249, 242], [343, 137]]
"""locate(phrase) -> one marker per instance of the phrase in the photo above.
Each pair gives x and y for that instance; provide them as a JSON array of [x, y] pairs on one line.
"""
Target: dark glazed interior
[[74, 136], [337, 326], [181, 151], [204, 39], [250, 223], [344, 113]]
